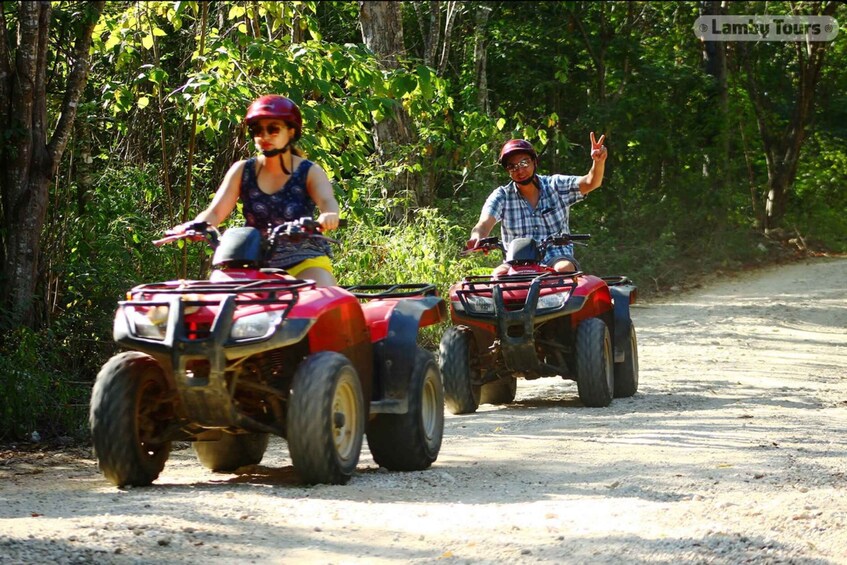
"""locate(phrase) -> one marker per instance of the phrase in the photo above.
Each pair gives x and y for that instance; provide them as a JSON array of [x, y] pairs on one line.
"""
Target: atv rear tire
[[129, 411], [231, 451], [626, 372], [411, 441], [595, 378], [501, 391], [458, 358], [326, 419]]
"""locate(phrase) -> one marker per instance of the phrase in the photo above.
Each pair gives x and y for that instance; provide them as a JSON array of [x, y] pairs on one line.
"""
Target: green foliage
[[37, 397], [820, 199], [672, 203], [422, 249]]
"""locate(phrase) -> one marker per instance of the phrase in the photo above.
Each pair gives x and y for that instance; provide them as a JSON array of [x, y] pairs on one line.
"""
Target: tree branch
[[578, 23], [76, 83]]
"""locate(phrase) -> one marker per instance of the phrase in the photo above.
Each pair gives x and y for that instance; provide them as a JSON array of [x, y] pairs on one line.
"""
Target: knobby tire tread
[[112, 420], [399, 442], [592, 336], [455, 352], [310, 437]]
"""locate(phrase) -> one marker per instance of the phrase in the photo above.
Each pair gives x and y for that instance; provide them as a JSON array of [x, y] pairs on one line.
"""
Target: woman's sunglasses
[[257, 130]]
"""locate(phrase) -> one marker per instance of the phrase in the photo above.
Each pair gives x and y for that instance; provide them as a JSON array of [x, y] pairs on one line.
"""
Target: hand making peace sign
[[598, 150]]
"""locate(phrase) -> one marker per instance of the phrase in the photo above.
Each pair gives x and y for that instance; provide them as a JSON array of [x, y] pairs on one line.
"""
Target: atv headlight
[[255, 325], [479, 304], [549, 301], [151, 325]]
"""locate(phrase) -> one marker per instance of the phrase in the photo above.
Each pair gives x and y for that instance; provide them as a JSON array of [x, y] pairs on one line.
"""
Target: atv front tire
[[411, 441], [231, 451], [129, 411], [626, 372], [326, 419], [458, 358], [595, 378]]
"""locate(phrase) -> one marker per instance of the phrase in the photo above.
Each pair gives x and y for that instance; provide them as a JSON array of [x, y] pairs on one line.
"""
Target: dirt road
[[733, 451]]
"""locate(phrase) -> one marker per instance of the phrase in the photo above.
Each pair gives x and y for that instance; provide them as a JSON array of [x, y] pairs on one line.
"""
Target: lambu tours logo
[[766, 28]]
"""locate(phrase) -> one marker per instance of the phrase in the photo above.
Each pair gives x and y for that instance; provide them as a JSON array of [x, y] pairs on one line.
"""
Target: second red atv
[[534, 322], [225, 362]]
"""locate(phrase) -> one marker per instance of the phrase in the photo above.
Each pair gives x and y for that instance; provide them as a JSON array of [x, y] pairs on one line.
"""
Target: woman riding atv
[[280, 185]]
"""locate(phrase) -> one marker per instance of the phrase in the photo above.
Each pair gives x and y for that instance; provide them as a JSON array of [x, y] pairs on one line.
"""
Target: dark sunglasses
[[257, 130], [522, 164]]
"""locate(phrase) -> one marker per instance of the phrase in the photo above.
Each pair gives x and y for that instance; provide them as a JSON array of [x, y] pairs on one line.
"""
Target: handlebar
[[295, 231], [493, 243], [298, 230], [196, 231]]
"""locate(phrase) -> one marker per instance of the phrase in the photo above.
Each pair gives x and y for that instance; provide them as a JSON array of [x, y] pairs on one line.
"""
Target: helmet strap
[[281, 152]]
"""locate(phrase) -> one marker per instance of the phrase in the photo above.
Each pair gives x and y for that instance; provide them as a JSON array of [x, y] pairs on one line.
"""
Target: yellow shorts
[[321, 262]]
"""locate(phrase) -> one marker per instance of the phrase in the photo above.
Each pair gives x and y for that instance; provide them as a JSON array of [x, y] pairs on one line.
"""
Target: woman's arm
[[320, 190], [225, 198]]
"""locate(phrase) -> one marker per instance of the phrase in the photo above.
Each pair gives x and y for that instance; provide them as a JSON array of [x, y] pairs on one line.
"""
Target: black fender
[[394, 356], [622, 296]]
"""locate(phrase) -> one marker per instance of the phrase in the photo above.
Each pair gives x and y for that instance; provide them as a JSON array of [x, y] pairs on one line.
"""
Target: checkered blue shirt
[[518, 219]]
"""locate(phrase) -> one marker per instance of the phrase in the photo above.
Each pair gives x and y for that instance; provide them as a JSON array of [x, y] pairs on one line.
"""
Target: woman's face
[[270, 133]]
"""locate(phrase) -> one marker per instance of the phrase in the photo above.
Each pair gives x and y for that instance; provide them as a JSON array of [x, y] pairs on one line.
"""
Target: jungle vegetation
[[119, 119]]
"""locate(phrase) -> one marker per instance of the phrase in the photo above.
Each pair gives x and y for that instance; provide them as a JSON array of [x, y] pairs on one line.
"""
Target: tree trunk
[[782, 143], [29, 162], [480, 57], [716, 161], [382, 32], [432, 35], [452, 9]]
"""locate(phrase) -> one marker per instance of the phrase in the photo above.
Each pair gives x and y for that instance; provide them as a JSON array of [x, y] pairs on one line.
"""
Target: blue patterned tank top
[[264, 211]]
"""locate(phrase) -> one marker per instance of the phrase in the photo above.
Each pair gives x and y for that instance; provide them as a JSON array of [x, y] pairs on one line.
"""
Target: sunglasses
[[257, 130], [522, 164]]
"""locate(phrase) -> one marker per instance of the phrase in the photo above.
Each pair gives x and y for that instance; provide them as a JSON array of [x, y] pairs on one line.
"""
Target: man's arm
[[594, 178], [482, 228]]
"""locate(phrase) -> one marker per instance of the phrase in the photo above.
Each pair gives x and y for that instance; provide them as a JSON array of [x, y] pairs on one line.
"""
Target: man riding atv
[[536, 206]]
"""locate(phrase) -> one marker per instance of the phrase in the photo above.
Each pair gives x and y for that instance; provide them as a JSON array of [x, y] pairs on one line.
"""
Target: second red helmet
[[276, 107], [516, 146]]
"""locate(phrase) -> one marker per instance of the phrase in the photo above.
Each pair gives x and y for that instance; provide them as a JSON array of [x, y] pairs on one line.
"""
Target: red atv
[[253, 351], [534, 322]]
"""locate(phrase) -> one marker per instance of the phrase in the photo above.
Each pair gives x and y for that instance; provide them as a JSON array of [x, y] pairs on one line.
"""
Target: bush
[[38, 399]]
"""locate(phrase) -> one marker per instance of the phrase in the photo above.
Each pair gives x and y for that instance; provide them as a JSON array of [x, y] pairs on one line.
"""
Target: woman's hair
[[296, 150]]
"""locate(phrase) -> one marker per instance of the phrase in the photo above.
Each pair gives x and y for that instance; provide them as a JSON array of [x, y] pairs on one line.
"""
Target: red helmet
[[279, 107], [516, 146]]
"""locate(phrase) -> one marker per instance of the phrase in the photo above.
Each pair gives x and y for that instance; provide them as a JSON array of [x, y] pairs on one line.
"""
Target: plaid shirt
[[550, 216]]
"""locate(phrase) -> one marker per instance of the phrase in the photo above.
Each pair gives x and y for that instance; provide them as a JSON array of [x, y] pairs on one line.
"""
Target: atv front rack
[[177, 299], [532, 284], [277, 290]]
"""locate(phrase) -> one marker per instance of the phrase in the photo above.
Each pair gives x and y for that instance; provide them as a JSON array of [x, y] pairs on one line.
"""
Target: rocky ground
[[733, 451]]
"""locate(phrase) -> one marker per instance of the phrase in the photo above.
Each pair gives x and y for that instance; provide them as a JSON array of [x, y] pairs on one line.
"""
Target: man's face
[[520, 166]]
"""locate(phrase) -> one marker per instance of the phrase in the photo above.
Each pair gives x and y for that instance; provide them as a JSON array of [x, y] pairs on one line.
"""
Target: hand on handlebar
[[186, 227], [484, 244], [193, 230], [329, 221]]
